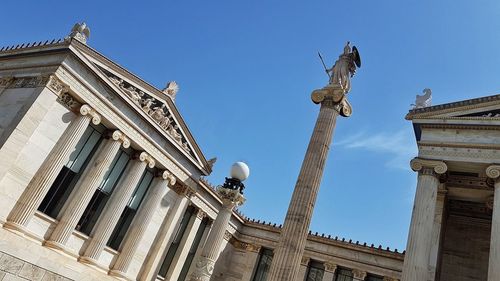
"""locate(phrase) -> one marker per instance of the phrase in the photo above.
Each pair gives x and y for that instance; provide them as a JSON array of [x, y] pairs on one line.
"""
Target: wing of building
[[101, 179]]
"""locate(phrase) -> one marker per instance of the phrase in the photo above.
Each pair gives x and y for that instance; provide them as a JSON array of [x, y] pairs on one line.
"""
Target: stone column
[[85, 188], [418, 248], [141, 223], [358, 274], [493, 172], [114, 208], [293, 237], [436, 231], [36, 190], [330, 269], [206, 262], [155, 256]]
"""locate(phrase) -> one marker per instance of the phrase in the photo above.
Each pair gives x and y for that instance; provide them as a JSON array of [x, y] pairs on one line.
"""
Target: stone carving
[[200, 214], [418, 164], [204, 269], [183, 190], [80, 32], [330, 267], [424, 100], [227, 236], [146, 157], [69, 101], [211, 162], [359, 274], [345, 67], [56, 85], [86, 109], [5, 81], [491, 114], [493, 172], [166, 175], [158, 110], [118, 135], [304, 261], [27, 82], [171, 89], [230, 197], [240, 245]]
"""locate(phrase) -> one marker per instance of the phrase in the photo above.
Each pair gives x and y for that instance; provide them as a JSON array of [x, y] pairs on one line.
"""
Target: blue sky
[[246, 70]]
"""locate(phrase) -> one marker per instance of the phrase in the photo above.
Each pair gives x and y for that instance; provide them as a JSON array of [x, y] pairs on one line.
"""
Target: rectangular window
[[103, 192], [130, 210], [70, 173], [315, 271], [374, 278], [175, 243], [192, 250], [263, 265], [343, 274]]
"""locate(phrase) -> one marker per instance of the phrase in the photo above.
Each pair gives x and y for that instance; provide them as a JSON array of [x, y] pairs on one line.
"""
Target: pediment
[[157, 107], [484, 108]]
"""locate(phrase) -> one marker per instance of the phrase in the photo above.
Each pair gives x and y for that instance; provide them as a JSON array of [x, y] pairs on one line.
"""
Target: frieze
[[240, 245], [29, 82], [69, 101], [459, 153], [156, 109], [5, 81]]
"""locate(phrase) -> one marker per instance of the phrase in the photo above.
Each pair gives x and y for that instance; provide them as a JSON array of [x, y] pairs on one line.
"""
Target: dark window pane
[[192, 250], [175, 243], [315, 271], [263, 265], [373, 278]]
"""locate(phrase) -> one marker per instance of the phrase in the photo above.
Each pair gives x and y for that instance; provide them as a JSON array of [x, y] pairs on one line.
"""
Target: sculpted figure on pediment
[[147, 105], [186, 147], [173, 132], [165, 122], [158, 113], [117, 81]]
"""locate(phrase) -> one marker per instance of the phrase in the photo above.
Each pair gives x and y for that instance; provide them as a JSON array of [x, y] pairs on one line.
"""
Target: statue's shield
[[356, 57]]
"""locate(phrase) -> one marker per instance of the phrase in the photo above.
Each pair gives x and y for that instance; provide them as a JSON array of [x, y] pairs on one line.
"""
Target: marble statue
[[80, 31], [171, 89], [158, 113], [147, 105], [424, 100], [345, 67]]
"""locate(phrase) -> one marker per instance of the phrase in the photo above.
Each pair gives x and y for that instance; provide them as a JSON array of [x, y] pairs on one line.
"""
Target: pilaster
[[330, 269]]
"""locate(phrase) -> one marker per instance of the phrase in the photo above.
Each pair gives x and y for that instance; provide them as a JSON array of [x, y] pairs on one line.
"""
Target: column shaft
[[494, 259], [417, 256], [141, 223], [114, 208], [436, 232], [293, 237], [32, 197], [84, 190]]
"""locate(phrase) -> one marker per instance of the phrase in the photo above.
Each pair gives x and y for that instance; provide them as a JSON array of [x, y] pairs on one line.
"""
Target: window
[[175, 243], [374, 278], [103, 192], [263, 265], [192, 250], [315, 271], [343, 274], [71, 172], [130, 210]]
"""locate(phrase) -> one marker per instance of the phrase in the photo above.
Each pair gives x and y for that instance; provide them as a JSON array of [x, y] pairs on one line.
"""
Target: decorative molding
[[493, 172], [480, 183], [359, 274], [459, 153], [201, 214], [240, 245], [182, 190], [305, 260], [68, 101], [203, 269], [5, 81], [120, 136], [167, 175], [230, 197], [87, 110], [143, 156], [29, 82], [333, 96], [227, 236], [426, 166], [330, 267], [56, 85]]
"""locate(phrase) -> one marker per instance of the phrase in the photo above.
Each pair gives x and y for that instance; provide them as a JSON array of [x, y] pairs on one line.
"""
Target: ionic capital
[[144, 157], [119, 136], [167, 175], [493, 172], [333, 96], [87, 110], [359, 274], [426, 166]]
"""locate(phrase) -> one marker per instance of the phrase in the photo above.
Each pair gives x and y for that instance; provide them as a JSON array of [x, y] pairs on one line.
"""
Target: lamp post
[[231, 193]]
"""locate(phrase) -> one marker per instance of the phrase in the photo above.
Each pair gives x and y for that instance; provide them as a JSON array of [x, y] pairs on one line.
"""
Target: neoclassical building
[[101, 179]]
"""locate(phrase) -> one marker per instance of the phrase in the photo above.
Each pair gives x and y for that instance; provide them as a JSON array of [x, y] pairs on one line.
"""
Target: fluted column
[[36, 190], [141, 222], [436, 232], [493, 172], [293, 236], [114, 208], [206, 262], [330, 269], [418, 248], [85, 188]]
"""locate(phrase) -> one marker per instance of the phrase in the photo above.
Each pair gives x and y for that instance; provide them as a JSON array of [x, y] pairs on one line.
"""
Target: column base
[[15, 227], [203, 270], [59, 247], [120, 275]]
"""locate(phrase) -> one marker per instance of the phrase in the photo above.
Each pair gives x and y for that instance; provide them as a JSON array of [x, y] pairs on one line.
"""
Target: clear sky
[[246, 70]]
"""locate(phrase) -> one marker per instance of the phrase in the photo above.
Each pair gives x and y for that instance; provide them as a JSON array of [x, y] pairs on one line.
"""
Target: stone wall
[[12, 268]]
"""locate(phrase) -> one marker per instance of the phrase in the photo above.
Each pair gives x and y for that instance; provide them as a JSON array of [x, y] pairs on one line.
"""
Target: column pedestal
[[494, 259], [114, 208], [32, 197], [85, 189], [140, 223], [418, 249]]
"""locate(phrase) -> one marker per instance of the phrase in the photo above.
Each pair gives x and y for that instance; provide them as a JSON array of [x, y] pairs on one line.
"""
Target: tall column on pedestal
[[418, 248], [141, 222], [85, 188], [293, 237], [114, 208], [493, 172], [206, 262], [50, 168]]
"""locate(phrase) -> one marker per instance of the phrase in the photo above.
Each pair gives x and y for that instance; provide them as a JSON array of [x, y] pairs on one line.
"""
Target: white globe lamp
[[240, 171]]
